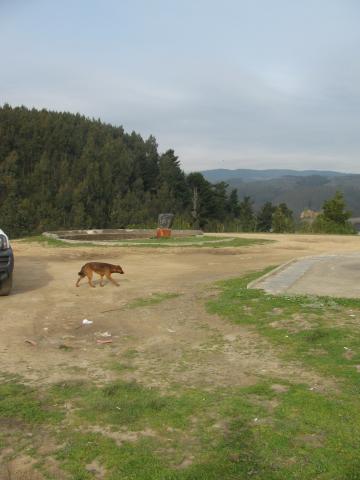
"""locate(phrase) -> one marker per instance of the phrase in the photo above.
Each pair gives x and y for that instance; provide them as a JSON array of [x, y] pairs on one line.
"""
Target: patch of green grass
[[304, 435], [21, 403], [315, 330], [154, 299], [127, 404], [196, 242], [307, 435], [190, 239], [46, 241], [253, 432], [243, 242], [119, 367], [174, 435], [53, 242], [130, 353], [130, 461]]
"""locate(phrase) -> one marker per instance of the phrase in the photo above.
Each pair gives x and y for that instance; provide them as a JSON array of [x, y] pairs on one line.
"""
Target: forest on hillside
[[66, 171]]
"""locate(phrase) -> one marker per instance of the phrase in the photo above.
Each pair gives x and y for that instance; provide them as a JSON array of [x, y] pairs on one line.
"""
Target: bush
[[333, 219], [282, 219], [323, 225]]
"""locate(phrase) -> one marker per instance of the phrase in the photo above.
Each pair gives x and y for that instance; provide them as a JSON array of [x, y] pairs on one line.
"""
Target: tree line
[[66, 171]]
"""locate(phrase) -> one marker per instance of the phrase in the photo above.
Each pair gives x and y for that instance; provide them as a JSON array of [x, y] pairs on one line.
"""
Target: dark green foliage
[[264, 217], [211, 206], [233, 206], [333, 219], [247, 218], [59, 170], [65, 171], [323, 225], [282, 219], [334, 209]]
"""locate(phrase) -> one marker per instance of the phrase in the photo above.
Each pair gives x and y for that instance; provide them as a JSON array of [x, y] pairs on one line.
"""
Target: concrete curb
[[272, 272]]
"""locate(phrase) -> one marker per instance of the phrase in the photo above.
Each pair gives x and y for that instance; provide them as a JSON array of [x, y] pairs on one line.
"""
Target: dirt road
[[172, 341]]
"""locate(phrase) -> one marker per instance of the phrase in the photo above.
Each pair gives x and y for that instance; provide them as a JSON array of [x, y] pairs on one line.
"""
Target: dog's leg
[[80, 278], [109, 277], [101, 281], [90, 275]]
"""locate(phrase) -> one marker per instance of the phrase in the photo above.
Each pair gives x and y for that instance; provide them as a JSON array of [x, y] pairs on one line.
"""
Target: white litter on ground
[[87, 322]]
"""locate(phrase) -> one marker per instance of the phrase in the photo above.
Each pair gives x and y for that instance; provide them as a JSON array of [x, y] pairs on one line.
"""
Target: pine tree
[[233, 206], [247, 218], [335, 211], [282, 220], [265, 217], [174, 178], [334, 217]]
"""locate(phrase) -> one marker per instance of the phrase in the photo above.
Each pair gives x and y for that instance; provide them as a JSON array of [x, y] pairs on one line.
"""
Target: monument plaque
[[165, 221]]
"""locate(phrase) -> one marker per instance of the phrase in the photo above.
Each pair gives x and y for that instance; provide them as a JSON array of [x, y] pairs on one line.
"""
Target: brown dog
[[101, 269]]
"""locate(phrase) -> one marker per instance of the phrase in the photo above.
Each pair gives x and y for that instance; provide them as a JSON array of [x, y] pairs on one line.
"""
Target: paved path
[[333, 275]]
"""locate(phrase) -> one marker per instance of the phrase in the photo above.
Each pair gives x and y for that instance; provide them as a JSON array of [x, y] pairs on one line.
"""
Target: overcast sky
[[227, 84]]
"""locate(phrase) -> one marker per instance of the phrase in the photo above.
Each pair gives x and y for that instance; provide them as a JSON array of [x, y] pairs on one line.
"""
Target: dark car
[[6, 264]]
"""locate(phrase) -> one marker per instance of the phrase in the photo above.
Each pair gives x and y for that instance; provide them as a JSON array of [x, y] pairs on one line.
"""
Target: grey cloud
[[284, 90]]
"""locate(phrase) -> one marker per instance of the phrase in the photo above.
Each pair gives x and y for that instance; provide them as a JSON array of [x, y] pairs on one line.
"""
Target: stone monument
[[165, 221]]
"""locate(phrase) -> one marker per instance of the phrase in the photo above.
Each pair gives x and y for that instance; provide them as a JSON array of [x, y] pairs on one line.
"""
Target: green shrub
[[323, 225]]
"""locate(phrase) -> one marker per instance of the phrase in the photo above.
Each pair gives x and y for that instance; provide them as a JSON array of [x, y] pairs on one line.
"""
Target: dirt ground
[[172, 342]]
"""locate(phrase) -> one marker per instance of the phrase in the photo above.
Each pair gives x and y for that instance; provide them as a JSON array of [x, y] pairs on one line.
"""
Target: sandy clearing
[[172, 342]]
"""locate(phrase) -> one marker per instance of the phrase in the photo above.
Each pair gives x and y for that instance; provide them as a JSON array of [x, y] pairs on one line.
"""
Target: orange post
[[163, 233]]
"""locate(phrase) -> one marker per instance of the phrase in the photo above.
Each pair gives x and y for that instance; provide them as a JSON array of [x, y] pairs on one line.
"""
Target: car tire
[[5, 286]]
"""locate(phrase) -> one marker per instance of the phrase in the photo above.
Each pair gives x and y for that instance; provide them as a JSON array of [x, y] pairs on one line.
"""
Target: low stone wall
[[115, 234]]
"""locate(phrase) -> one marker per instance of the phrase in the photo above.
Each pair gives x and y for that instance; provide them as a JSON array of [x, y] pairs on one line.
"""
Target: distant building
[[308, 215]]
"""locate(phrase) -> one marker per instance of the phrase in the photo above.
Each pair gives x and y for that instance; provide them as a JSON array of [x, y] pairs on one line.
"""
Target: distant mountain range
[[223, 174], [298, 189]]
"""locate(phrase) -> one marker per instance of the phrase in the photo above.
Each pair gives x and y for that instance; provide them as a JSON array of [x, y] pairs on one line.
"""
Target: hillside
[[66, 171], [299, 190], [59, 170]]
